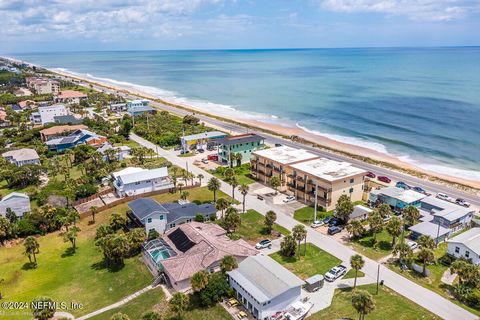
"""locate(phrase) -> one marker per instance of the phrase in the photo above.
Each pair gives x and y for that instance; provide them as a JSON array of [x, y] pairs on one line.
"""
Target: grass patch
[[242, 172], [315, 261], [351, 274], [389, 305], [382, 248], [306, 214], [252, 228]]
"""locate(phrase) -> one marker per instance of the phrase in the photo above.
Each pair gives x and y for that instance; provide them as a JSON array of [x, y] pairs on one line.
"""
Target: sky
[[87, 25]]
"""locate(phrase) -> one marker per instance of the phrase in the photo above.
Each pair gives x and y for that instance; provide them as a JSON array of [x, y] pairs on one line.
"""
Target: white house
[[120, 152], [22, 157], [360, 213], [133, 181], [17, 202], [264, 286], [467, 245], [48, 114]]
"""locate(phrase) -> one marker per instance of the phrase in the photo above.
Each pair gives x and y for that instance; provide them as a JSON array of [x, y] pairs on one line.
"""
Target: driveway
[[409, 289]]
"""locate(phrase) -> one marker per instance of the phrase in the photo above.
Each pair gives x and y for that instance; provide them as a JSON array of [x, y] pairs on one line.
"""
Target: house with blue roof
[[139, 107], [148, 213], [77, 137]]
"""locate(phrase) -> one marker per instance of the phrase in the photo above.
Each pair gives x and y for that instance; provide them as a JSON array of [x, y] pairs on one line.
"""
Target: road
[[422, 296]]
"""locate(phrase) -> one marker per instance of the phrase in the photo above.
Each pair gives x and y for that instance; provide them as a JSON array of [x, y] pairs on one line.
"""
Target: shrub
[[199, 218]]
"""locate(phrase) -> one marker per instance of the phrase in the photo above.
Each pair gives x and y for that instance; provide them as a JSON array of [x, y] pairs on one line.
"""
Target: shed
[[314, 283]]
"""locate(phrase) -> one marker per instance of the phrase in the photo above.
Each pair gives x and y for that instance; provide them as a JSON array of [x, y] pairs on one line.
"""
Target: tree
[[410, 215], [468, 273], [425, 255], [233, 180], [299, 233], [228, 263], [275, 183], [199, 280], [244, 191], [117, 221], [214, 185], [32, 248], [5, 229], [288, 246], [221, 205], [270, 219], [394, 228], [120, 316], [11, 215], [376, 225], [136, 238], [239, 158], [232, 219], [344, 207], [355, 228], [151, 315], [216, 289], [184, 195], [384, 210], [43, 308], [71, 236], [180, 186], [115, 248], [363, 303], [152, 234], [404, 252], [425, 241], [357, 263], [178, 303], [200, 177], [93, 211], [199, 217]]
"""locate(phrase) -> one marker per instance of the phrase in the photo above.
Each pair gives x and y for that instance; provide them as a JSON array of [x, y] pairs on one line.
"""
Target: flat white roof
[[205, 135], [407, 196], [285, 155], [327, 169]]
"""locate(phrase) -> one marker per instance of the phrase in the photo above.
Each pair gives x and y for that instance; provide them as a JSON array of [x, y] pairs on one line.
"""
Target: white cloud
[[430, 10]]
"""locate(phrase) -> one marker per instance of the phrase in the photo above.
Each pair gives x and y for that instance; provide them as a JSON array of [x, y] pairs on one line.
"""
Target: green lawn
[[252, 228], [351, 274], [81, 277], [316, 261], [242, 172], [433, 281], [389, 305], [306, 214], [365, 246]]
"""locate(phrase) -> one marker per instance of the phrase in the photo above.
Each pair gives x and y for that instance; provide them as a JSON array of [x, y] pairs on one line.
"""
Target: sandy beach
[[287, 131]]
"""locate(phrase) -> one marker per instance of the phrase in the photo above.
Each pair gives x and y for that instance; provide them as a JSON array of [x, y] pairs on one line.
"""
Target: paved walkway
[[117, 304], [407, 288]]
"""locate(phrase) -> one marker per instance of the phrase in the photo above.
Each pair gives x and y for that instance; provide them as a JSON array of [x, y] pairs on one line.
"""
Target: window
[[161, 217], [457, 250], [467, 254], [351, 190], [149, 220], [352, 180]]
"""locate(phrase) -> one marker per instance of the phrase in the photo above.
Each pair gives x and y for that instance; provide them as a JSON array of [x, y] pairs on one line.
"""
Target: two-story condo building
[[276, 161], [133, 181], [264, 286], [397, 198], [77, 137], [22, 157], [47, 114], [466, 245], [43, 85], [243, 144]]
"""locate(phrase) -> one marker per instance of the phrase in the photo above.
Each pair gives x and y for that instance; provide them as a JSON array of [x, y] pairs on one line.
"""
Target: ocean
[[421, 105]]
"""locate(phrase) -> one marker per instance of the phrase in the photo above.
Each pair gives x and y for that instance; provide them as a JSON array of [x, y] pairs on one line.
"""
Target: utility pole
[[438, 234], [186, 166], [378, 276], [316, 203]]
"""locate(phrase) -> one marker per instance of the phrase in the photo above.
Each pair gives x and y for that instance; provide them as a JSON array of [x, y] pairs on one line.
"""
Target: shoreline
[[351, 151]]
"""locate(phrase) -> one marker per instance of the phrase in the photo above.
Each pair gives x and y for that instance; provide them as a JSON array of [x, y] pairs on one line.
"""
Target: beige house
[[43, 85], [303, 174], [70, 97]]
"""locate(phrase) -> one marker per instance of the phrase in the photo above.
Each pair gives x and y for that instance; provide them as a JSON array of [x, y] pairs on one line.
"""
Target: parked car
[[264, 244], [443, 196], [326, 220], [184, 151], [371, 175], [334, 230], [335, 222], [278, 144], [335, 273], [387, 218], [201, 150], [317, 224], [419, 190], [462, 202], [260, 197], [205, 161], [412, 244], [289, 199], [403, 185], [384, 179]]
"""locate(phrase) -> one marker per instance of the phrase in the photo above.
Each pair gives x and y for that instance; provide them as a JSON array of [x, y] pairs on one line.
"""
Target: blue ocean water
[[419, 104]]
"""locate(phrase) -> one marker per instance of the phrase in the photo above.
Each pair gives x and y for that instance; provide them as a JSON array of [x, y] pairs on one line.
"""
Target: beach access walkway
[[429, 300]]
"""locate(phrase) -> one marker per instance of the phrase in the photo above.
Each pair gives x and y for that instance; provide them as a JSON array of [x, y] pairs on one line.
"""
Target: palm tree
[[270, 218], [32, 248], [232, 219], [229, 172], [425, 255], [178, 303], [200, 177], [228, 263], [357, 263], [376, 225], [425, 241], [394, 228], [199, 280], [214, 186], [239, 158], [410, 215], [180, 186], [355, 228], [93, 211], [71, 235], [184, 195], [233, 180], [363, 302], [275, 183], [299, 233], [244, 191], [221, 204]]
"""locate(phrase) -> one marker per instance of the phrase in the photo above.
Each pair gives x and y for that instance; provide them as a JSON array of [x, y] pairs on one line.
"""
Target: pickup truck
[[335, 273]]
